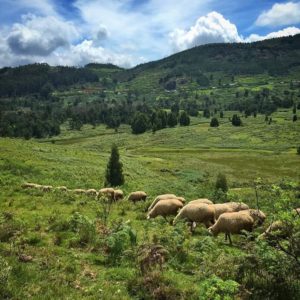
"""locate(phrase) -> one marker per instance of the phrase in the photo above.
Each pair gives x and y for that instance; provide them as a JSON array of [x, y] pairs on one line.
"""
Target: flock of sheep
[[228, 218]]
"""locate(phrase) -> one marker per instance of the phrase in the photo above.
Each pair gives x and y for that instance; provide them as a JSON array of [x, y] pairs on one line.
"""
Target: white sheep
[[165, 208], [197, 213]]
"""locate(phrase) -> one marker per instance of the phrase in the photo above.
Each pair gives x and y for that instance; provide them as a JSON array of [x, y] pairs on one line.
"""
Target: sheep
[[46, 188], [165, 208], [298, 211], [229, 207], [201, 200], [118, 194], [197, 213], [163, 197], [137, 196], [79, 191], [28, 185], [257, 215], [232, 223], [62, 188], [107, 192], [91, 192]]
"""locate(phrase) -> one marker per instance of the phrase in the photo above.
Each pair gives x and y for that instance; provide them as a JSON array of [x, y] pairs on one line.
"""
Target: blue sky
[[129, 32]]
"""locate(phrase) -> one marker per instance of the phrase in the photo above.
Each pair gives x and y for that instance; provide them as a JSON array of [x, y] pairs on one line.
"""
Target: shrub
[[120, 239], [214, 122], [5, 271], [221, 183], [215, 288], [236, 121]]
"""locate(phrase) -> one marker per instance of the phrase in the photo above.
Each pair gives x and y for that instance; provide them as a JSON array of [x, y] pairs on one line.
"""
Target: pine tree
[[221, 183], [114, 170], [172, 120], [295, 118], [214, 122], [236, 121], [184, 119], [140, 123], [221, 114]]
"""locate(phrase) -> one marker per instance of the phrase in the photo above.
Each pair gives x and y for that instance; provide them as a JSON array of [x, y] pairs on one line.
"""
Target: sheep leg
[[230, 242]]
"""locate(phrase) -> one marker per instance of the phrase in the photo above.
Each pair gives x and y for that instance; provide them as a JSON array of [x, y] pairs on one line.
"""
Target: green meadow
[[75, 255]]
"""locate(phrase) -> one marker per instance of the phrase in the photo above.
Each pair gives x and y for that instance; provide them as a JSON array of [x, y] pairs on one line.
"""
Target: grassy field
[[181, 160]]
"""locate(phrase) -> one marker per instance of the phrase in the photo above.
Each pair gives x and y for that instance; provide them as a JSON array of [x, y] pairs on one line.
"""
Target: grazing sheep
[[62, 188], [297, 211], [165, 208], [229, 207], [137, 196], [91, 192], [46, 188], [28, 185], [163, 197], [257, 215], [197, 213], [118, 194], [107, 192], [79, 191], [201, 200], [232, 223]]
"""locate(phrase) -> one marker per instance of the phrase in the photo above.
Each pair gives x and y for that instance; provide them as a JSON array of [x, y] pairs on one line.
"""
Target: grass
[[181, 160]]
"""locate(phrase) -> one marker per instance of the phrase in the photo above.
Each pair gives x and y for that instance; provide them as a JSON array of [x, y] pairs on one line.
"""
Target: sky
[[130, 32]]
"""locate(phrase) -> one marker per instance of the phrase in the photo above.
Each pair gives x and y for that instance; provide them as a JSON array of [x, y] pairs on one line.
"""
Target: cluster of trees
[[158, 120], [27, 124], [41, 79]]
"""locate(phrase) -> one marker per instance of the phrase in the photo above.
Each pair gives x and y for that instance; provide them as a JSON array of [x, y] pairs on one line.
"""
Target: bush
[[214, 122], [121, 238], [5, 271], [298, 150], [221, 183], [236, 121], [215, 288], [84, 227]]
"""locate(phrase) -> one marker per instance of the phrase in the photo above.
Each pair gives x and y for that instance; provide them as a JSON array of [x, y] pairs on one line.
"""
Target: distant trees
[[114, 170], [184, 119], [221, 114], [236, 121], [295, 118], [140, 123], [214, 122], [172, 120], [206, 113]]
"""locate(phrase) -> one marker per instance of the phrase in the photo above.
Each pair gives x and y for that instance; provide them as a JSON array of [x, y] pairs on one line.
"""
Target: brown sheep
[[91, 192], [46, 188], [232, 223], [118, 194], [107, 192], [163, 197], [165, 208], [62, 188], [201, 200], [79, 191], [197, 213], [137, 196], [229, 207], [257, 215], [28, 185]]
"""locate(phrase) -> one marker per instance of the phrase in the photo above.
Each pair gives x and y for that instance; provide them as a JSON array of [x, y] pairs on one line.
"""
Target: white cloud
[[284, 32], [280, 14], [40, 35], [212, 28]]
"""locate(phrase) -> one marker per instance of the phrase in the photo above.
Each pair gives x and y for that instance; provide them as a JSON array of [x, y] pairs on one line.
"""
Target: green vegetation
[[57, 244]]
